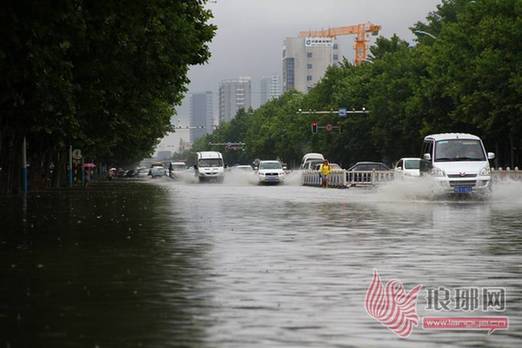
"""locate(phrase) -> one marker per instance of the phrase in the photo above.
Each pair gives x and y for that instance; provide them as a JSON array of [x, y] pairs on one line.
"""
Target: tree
[[102, 76]]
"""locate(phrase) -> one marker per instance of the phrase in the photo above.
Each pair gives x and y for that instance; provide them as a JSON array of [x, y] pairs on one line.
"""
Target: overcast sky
[[250, 35]]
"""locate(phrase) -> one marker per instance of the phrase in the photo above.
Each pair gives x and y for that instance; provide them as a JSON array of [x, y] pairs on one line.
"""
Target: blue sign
[[342, 112]]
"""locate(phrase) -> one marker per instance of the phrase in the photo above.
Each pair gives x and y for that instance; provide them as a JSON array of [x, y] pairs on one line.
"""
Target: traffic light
[[314, 127]]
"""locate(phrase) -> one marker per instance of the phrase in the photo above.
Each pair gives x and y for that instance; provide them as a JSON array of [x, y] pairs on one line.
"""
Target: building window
[[335, 57], [309, 54], [309, 66], [335, 46], [309, 78], [288, 73]]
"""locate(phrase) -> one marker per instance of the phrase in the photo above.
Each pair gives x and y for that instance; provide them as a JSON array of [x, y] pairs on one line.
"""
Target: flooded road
[[161, 263]]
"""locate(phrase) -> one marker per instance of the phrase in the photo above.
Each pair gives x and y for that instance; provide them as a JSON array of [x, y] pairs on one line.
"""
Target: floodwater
[[159, 263]]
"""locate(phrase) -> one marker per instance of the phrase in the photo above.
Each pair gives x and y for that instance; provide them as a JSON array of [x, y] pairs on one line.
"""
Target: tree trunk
[[511, 151]]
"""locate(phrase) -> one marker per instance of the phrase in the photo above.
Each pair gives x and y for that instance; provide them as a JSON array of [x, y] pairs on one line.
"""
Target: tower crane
[[360, 30]]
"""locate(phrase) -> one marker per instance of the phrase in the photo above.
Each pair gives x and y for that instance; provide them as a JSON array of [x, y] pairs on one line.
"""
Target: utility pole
[[342, 113], [70, 167], [24, 166]]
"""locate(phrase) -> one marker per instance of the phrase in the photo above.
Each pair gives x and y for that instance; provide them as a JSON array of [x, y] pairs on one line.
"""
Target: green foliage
[[465, 77], [102, 76]]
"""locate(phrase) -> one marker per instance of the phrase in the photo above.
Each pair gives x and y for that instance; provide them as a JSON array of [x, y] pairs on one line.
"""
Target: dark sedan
[[367, 166]]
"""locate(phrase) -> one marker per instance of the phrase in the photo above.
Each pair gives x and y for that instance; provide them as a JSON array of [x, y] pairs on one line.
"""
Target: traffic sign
[[342, 112], [329, 127]]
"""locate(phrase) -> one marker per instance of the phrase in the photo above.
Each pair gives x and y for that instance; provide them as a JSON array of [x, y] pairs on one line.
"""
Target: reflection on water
[[235, 265]]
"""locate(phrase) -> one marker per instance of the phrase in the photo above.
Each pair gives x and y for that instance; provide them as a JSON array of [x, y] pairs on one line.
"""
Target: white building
[[270, 88], [305, 61], [234, 95]]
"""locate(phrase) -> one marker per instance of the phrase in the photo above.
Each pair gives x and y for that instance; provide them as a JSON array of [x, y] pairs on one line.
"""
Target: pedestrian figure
[[88, 175], [325, 170]]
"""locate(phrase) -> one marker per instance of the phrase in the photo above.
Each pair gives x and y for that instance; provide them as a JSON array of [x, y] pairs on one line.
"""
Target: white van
[[458, 161], [209, 166], [312, 156]]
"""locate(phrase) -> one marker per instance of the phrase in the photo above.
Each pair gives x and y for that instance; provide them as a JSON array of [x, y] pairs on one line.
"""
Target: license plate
[[462, 189]]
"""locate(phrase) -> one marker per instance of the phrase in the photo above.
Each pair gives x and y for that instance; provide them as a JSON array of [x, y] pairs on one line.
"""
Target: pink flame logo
[[392, 306]]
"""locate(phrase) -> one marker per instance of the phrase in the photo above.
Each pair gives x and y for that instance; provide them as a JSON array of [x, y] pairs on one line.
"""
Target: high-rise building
[[200, 115], [305, 60], [270, 88], [234, 95]]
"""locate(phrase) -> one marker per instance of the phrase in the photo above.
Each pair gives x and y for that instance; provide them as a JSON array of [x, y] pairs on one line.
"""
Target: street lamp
[[425, 33]]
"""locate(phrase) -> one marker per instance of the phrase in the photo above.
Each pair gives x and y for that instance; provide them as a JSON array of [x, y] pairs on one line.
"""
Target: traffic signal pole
[[342, 112]]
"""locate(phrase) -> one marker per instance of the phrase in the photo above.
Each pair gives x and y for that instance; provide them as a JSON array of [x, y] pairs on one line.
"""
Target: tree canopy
[[102, 76], [463, 74]]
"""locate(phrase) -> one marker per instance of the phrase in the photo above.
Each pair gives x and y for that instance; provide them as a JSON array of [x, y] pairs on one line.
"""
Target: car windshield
[[369, 166], [459, 150], [211, 162], [270, 165], [412, 164]]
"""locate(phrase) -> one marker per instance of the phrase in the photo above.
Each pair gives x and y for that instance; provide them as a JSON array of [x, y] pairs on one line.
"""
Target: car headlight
[[486, 171], [261, 174], [437, 172]]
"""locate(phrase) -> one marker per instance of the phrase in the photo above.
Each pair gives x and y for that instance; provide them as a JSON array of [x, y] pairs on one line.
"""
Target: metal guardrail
[[501, 174], [369, 177], [337, 178], [343, 178]]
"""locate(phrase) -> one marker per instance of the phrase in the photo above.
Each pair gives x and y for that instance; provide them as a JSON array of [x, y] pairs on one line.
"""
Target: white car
[[179, 166], [270, 172], [243, 167], [143, 172], [458, 162], [157, 171], [210, 166], [311, 157], [408, 166]]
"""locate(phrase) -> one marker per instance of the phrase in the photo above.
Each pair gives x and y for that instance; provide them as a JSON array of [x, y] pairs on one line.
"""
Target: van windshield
[[210, 162], [459, 150]]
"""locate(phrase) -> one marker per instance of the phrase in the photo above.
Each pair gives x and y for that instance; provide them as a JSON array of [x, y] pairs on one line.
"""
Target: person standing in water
[[325, 170]]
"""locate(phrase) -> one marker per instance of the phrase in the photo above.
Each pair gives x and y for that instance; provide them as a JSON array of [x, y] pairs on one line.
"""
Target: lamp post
[[24, 166], [425, 33], [70, 167]]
